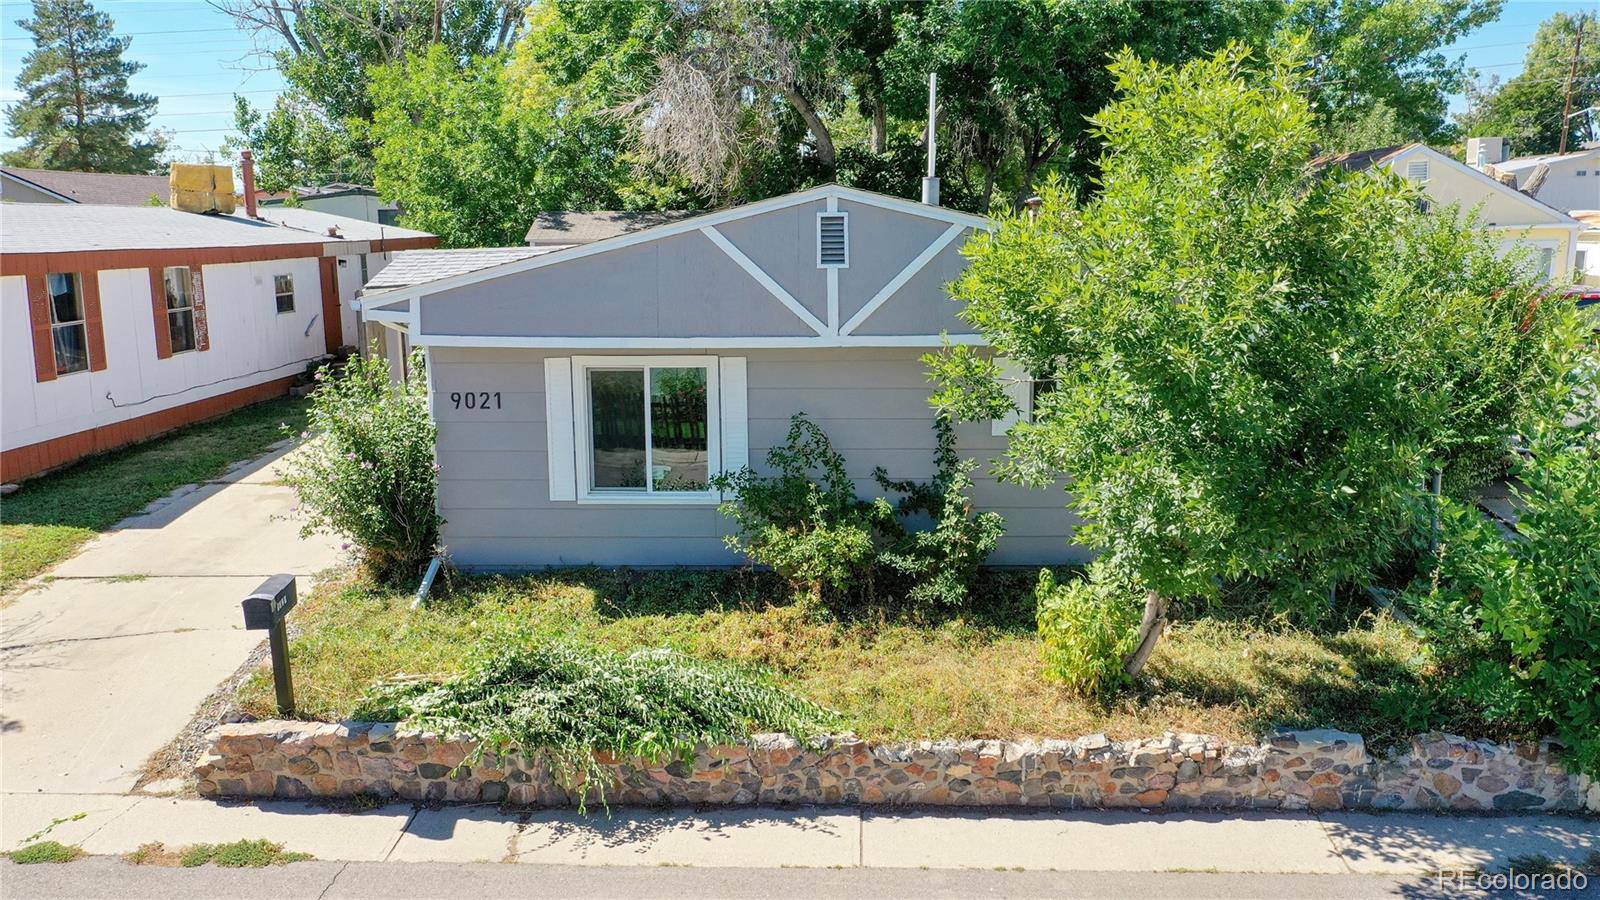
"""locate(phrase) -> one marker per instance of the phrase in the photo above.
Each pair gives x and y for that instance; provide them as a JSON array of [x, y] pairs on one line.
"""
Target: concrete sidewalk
[[1090, 841], [104, 660]]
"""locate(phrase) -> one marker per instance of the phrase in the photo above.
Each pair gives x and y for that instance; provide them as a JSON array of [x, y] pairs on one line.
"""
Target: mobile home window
[[649, 429], [180, 307], [69, 333], [283, 289], [364, 276]]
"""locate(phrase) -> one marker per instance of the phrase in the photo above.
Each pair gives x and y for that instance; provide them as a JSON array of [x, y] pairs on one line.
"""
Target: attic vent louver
[[833, 241], [1417, 170]]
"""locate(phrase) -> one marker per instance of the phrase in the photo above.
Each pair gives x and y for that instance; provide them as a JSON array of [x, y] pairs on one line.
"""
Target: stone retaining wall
[[1321, 769]]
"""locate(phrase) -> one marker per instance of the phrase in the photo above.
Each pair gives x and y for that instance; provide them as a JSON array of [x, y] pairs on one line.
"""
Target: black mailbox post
[[265, 609]]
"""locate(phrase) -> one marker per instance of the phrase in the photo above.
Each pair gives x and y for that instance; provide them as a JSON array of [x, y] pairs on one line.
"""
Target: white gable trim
[[695, 343], [695, 223], [897, 282], [765, 280], [1556, 217]]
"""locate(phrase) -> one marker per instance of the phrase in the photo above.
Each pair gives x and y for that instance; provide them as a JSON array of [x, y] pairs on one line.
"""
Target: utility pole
[[1572, 77]]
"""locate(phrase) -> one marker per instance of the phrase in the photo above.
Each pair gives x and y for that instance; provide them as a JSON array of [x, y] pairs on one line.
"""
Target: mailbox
[[265, 609], [269, 603]]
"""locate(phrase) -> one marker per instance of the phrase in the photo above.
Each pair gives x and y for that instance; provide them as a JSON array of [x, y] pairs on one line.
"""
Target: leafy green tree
[[1255, 363], [1528, 108], [76, 111], [1369, 52], [295, 144], [473, 156], [318, 131]]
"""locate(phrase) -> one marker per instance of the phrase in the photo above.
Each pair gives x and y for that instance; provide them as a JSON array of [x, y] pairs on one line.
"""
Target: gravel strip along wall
[[1321, 769]]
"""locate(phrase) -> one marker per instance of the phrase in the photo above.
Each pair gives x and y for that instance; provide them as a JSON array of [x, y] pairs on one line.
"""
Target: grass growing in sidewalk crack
[[242, 854], [43, 852]]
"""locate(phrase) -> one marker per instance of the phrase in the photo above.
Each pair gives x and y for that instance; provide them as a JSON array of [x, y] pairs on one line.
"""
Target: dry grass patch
[[890, 677]]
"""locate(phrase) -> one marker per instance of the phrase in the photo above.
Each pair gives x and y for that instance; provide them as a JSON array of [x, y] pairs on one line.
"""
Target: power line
[[141, 33]]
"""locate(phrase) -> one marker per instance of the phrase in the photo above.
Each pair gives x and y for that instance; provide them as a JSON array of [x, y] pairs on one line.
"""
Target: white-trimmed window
[[69, 332], [1024, 390], [180, 307], [645, 429], [283, 290]]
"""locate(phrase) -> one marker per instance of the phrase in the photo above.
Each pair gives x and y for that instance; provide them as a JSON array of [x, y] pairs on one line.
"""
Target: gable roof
[[571, 228], [1358, 160], [1363, 160], [93, 187], [698, 221]]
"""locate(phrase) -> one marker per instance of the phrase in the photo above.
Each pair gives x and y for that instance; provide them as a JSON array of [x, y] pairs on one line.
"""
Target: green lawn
[[890, 678], [51, 516]]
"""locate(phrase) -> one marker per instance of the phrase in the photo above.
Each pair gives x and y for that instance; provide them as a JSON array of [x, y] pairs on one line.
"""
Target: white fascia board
[[697, 343], [1556, 216], [695, 223]]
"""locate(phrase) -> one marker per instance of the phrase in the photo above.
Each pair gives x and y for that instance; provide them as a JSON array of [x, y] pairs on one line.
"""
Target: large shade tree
[[76, 111], [1256, 361]]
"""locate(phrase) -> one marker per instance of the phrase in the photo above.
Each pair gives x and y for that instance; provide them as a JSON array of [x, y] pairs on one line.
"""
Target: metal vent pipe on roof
[[930, 184]]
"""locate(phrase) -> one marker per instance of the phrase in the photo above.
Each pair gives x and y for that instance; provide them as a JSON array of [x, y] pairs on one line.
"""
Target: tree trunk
[[880, 126], [1150, 628], [819, 130]]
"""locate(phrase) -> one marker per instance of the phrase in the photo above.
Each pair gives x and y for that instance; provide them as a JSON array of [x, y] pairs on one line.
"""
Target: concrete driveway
[[105, 662]]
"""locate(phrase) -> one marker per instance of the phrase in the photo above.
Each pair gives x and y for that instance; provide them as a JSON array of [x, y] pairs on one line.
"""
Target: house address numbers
[[475, 399]]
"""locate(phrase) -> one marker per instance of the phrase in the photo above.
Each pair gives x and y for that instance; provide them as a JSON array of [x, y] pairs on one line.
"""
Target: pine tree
[[76, 111]]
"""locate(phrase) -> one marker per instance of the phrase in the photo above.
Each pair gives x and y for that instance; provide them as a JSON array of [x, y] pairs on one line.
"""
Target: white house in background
[[121, 322], [1566, 181], [1549, 235], [355, 201]]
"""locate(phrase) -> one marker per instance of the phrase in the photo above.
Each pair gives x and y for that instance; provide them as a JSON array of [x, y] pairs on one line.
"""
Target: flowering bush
[[365, 466]]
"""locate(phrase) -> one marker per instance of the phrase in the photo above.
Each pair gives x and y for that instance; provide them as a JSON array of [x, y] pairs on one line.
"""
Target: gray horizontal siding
[[494, 490]]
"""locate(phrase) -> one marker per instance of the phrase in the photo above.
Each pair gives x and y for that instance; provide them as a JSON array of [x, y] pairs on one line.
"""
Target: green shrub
[[241, 854], [1088, 628], [816, 533], [1516, 623], [44, 852], [941, 562], [365, 468], [565, 702]]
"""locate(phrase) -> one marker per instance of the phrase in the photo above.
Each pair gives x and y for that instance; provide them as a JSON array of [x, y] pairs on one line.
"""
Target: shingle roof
[[96, 187], [409, 267], [1518, 163], [567, 228], [1358, 160], [349, 229], [66, 227]]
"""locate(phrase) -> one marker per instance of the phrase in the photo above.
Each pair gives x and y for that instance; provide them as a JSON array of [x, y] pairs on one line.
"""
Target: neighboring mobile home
[[120, 322], [585, 395]]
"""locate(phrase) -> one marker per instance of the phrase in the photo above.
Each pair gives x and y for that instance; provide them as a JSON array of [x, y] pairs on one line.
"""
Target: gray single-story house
[[585, 394]]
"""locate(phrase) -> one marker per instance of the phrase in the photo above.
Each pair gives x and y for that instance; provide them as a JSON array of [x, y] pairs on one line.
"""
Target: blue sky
[[197, 59]]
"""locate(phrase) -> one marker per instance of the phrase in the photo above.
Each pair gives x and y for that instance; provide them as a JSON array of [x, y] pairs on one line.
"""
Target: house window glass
[[283, 289], [1547, 262], [180, 307], [364, 276], [69, 333], [650, 430]]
